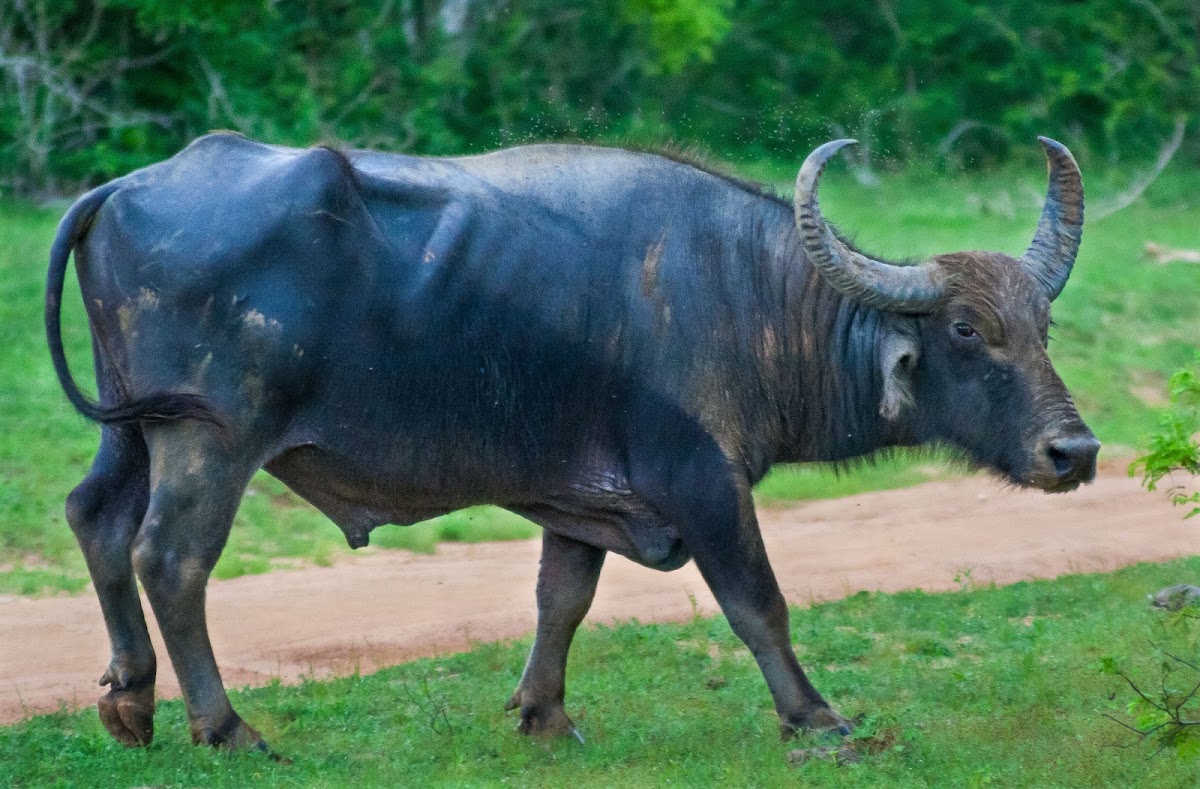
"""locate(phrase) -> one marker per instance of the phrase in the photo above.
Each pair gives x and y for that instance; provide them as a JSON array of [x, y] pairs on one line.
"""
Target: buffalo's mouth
[[1039, 480], [1055, 465], [1062, 487]]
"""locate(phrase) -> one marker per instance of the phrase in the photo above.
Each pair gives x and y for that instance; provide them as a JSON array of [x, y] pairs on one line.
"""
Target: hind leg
[[105, 511], [196, 481]]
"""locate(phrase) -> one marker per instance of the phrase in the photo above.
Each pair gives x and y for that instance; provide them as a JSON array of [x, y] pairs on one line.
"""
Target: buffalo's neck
[[828, 385]]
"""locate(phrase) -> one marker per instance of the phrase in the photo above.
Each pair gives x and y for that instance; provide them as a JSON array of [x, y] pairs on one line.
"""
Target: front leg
[[714, 510], [738, 573], [565, 587]]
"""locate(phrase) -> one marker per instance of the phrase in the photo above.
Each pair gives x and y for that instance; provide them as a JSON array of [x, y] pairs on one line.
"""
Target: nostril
[[1062, 461], [1074, 457]]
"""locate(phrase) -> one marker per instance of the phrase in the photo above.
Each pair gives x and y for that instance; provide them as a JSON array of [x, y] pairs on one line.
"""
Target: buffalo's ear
[[899, 350]]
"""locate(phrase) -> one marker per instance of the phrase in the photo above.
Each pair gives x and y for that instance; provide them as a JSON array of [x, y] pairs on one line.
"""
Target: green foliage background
[[90, 89]]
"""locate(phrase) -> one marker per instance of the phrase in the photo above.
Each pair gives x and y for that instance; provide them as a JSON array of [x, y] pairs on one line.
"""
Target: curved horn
[[1052, 253], [873, 283]]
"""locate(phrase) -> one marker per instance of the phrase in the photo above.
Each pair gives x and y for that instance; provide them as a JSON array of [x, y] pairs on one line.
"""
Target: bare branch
[[1162, 254], [1164, 24], [55, 89], [962, 127], [218, 99], [363, 96], [1131, 195], [76, 53], [1178, 659], [1169, 731], [1141, 734], [1138, 691]]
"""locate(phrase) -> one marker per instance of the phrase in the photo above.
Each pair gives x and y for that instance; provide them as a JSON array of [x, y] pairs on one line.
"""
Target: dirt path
[[389, 607]]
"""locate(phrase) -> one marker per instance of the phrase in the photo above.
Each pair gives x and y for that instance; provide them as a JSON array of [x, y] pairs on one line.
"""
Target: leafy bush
[[92, 88], [1174, 447], [1165, 711]]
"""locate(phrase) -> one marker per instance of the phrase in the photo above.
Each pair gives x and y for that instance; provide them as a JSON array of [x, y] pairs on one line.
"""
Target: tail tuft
[[161, 407]]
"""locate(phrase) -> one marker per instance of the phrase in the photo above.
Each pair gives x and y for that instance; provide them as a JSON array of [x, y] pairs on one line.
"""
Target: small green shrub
[[1162, 706], [1174, 447]]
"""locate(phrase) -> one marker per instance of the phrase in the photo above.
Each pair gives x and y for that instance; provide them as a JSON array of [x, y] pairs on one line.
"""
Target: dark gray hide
[[613, 344]]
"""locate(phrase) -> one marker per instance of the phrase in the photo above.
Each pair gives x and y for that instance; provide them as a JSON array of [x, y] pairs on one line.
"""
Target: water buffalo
[[615, 345]]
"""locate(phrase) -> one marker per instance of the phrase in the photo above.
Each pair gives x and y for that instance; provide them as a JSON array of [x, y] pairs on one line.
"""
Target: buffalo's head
[[963, 348]]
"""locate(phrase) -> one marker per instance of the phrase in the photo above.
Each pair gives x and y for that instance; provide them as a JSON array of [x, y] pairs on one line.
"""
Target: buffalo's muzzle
[[1073, 458]]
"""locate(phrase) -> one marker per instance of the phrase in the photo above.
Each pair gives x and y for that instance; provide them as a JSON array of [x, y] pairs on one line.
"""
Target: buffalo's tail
[[154, 407]]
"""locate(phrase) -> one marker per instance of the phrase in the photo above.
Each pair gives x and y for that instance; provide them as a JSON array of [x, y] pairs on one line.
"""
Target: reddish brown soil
[[389, 607]]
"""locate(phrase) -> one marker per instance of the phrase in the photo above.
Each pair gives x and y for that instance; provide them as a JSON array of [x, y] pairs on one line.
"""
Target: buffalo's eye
[[965, 330]]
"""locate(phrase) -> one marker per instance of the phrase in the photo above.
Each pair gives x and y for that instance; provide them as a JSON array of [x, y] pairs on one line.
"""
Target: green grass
[[983, 687], [1123, 325], [787, 484]]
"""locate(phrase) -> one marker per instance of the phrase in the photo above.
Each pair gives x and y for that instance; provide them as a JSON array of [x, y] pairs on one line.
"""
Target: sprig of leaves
[[1165, 710], [1174, 447]]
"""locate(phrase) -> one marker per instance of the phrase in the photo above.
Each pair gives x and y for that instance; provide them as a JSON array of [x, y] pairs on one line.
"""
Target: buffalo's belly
[[361, 490], [591, 505], [622, 523], [599, 507]]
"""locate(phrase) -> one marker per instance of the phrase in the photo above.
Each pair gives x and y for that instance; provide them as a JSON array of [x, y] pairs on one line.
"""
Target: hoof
[[128, 714], [542, 720], [233, 734], [818, 719]]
